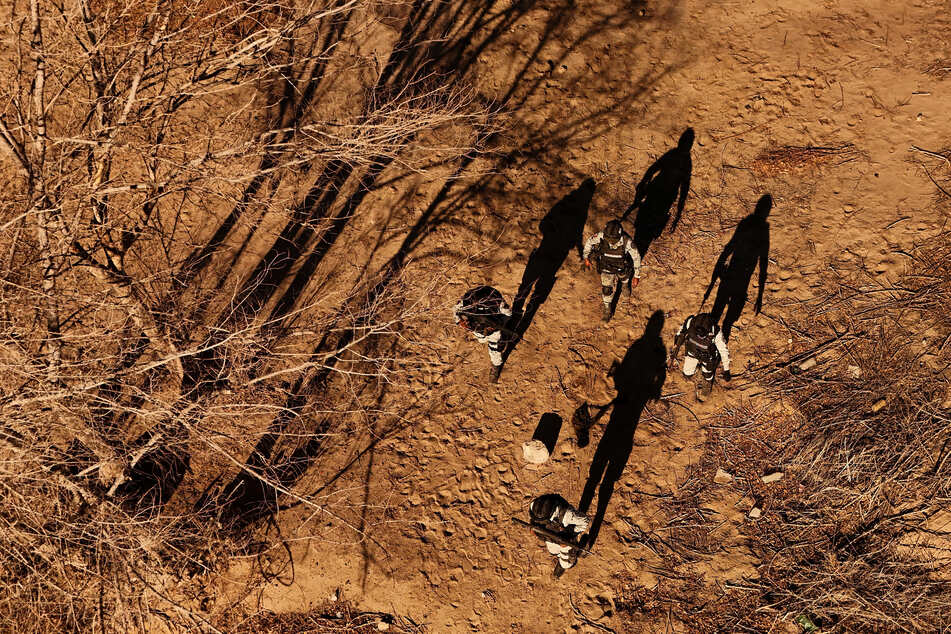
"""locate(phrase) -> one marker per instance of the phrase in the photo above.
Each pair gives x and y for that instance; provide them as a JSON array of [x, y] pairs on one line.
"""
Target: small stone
[[467, 483], [775, 476], [854, 371], [723, 477], [382, 626], [808, 364], [878, 405], [535, 452], [755, 513]]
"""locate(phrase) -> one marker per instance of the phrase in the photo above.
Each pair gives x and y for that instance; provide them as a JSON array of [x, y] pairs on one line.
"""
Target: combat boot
[[704, 389], [606, 312], [494, 373]]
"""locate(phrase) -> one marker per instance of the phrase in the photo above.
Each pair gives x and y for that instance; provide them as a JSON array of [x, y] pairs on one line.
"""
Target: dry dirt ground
[[424, 528]]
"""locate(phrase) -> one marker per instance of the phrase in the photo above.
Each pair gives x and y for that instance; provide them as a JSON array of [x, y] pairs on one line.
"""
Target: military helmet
[[613, 230], [542, 507], [704, 322]]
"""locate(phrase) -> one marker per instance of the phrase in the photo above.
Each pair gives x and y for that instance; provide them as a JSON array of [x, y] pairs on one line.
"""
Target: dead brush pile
[[789, 158], [332, 616], [855, 536]]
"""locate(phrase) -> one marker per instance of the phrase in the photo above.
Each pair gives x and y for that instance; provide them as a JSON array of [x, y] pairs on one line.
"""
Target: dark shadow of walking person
[[562, 229], [748, 248], [637, 380], [663, 182]]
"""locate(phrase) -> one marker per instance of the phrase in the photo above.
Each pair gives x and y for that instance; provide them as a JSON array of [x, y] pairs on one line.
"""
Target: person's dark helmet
[[686, 140], [542, 507], [613, 230], [704, 322]]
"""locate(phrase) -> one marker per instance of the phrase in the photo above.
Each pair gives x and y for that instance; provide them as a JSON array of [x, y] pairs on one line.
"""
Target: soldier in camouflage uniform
[[484, 312], [618, 262], [561, 526]]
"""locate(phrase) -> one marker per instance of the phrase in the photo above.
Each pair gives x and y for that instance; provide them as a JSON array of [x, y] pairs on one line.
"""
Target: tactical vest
[[700, 345], [614, 259]]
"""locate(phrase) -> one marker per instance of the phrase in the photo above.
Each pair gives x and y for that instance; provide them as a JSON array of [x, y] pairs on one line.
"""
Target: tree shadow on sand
[[637, 380]]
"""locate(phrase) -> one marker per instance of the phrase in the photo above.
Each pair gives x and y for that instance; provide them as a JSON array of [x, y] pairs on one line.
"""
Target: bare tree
[[133, 348]]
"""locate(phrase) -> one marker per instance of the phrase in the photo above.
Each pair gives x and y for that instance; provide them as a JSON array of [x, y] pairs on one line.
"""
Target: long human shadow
[[665, 182], [562, 229], [247, 498], [638, 379], [747, 249]]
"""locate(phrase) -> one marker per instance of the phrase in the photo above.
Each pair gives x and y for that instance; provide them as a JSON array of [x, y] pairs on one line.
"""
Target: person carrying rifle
[[562, 528], [705, 347], [617, 260], [483, 312]]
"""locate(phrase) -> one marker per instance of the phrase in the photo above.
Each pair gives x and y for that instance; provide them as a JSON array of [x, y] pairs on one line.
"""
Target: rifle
[[508, 332], [676, 349], [552, 536]]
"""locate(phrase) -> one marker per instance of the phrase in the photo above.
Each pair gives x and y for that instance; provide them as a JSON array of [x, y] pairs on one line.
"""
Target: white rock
[[854, 371], [723, 477], [773, 477], [807, 364], [535, 452], [755, 513]]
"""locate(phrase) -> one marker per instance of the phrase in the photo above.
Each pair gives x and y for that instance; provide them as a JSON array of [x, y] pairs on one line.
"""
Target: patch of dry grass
[[861, 431]]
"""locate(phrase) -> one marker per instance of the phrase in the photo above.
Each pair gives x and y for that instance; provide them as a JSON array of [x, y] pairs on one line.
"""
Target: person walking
[[562, 528], [618, 262], [705, 347], [484, 312]]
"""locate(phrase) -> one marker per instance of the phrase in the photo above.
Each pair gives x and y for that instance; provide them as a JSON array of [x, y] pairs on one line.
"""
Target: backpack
[[482, 308], [699, 340]]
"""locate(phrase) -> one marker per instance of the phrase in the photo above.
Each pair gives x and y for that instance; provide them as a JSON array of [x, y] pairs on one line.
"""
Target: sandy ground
[[605, 99]]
